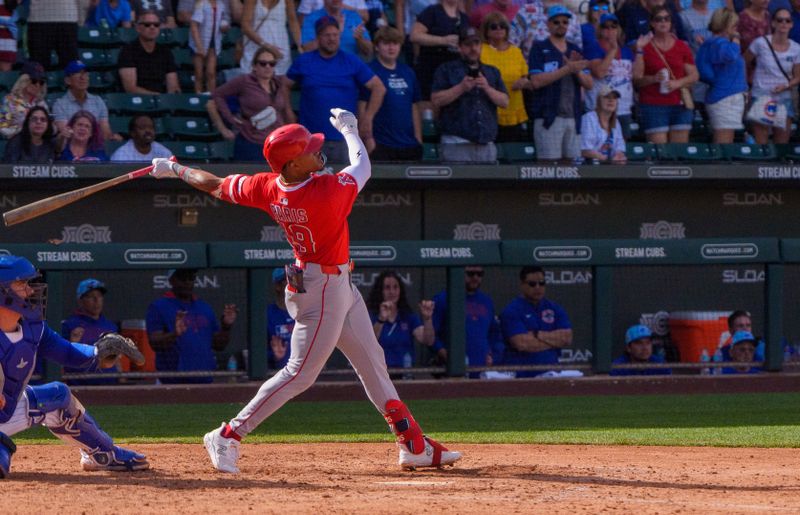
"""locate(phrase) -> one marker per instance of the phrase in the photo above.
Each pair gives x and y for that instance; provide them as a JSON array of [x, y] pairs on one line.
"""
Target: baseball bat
[[46, 205]]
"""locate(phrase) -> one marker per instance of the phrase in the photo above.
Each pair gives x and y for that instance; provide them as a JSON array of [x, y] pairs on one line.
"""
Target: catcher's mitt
[[111, 345]]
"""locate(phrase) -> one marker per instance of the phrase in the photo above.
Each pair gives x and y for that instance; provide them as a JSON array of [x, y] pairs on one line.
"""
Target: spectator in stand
[[209, 20], [535, 328], [53, 26], [28, 91], [9, 32], [558, 72], [590, 31], [110, 14], [84, 142], [497, 51], [754, 22], [601, 135], [741, 320], [776, 74], [377, 16], [329, 78], [161, 8], [264, 105], [505, 7], [483, 343], [532, 25], [184, 9], [142, 145], [696, 21], [353, 35], [611, 63], [720, 64], [279, 323], [36, 142], [77, 98], [664, 64], [396, 326], [638, 350], [794, 35], [88, 323], [264, 25], [742, 350], [406, 12], [436, 31], [636, 18], [183, 330], [397, 128], [468, 94], [145, 66], [307, 7]]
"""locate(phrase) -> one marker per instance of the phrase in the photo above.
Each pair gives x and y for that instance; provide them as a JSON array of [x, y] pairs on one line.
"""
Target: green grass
[[742, 420]]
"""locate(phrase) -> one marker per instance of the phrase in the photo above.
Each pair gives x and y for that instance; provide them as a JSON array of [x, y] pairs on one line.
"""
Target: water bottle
[[407, 363], [717, 359], [787, 352], [232, 366], [705, 358]]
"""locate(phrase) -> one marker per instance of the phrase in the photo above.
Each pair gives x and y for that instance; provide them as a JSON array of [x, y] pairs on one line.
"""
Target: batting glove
[[344, 121], [164, 169]]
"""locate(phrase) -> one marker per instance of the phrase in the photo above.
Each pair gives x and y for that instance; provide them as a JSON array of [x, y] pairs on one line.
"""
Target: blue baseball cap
[[741, 337], [607, 18], [637, 332], [558, 10], [88, 285], [74, 67], [278, 275]]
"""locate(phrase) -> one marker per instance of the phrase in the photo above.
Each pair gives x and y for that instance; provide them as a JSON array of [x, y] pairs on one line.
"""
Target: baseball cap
[[608, 90], [88, 285], [74, 67], [593, 3], [278, 275], [558, 10], [607, 18], [468, 34], [33, 70], [324, 22], [637, 332], [742, 336]]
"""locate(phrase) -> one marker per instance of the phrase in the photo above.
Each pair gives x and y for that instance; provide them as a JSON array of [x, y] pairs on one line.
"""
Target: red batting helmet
[[289, 142]]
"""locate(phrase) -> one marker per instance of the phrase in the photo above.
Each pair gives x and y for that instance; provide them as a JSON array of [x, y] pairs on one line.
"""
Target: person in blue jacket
[[638, 350], [279, 324], [743, 349], [23, 335]]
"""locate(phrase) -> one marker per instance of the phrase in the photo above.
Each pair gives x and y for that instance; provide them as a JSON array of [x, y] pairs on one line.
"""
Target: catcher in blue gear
[[23, 336]]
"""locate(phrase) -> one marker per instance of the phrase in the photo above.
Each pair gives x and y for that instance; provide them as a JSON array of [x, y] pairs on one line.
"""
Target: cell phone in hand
[[473, 72]]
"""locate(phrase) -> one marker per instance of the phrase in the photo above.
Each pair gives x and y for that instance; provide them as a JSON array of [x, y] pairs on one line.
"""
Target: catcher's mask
[[29, 301]]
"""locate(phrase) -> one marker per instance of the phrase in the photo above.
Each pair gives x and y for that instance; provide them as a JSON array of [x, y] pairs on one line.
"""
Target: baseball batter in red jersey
[[327, 307]]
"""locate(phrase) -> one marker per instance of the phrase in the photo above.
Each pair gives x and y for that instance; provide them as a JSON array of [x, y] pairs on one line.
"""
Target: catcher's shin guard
[[403, 425], [54, 406], [7, 448]]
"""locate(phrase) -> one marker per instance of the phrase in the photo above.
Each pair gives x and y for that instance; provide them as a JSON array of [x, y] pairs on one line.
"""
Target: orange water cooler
[[136, 330], [693, 331]]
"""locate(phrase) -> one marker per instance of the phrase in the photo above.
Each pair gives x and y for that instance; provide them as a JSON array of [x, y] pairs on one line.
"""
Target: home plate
[[414, 483]]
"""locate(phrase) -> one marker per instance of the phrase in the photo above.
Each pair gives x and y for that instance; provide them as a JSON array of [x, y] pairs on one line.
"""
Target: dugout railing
[[601, 256]]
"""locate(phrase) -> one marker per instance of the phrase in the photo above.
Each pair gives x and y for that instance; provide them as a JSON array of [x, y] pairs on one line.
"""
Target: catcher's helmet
[[288, 142], [16, 268]]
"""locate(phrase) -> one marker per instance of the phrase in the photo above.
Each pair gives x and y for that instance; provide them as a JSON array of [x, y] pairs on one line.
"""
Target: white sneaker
[[224, 452], [434, 455]]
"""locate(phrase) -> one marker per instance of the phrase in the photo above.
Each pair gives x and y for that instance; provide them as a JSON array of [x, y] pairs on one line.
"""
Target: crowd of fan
[[576, 79]]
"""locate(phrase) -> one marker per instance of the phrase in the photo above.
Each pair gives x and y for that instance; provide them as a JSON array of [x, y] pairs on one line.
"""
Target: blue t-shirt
[[114, 16], [347, 41], [519, 317], [751, 370], [482, 329], [279, 323], [92, 329], [721, 65], [625, 359], [90, 155], [326, 83], [192, 350], [397, 339], [394, 125]]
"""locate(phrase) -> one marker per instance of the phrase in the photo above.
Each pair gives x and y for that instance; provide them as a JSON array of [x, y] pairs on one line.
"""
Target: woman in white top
[[601, 134], [264, 25], [775, 77], [210, 19]]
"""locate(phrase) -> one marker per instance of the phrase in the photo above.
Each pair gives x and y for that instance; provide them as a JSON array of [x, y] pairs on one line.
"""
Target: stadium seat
[[102, 82], [177, 37], [516, 152], [55, 81], [128, 103], [7, 80], [119, 124], [113, 55], [430, 152], [230, 38], [126, 35], [636, 151], [192, 128], [787, 151], [184, 103], [183, 58], [221, 150], [225, 59], [685, 152], [97, 37], [743, 152], [51, 98], [430, 132], [95, 58], [186, 80], [110, 146], [189, 150]]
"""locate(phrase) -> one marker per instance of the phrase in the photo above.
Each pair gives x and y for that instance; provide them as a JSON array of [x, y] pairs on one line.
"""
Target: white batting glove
[[164, 169], [344, 121]]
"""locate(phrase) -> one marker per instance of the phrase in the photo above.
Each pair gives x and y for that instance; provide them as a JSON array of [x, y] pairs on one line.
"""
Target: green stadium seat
[[183, 58], [184, 103], [186, 80], [225, 59], [221, 150], [95, 58], [111, 146], [128, 103], [55, 81], [51, 98], [787, 151], [685, 152], [430, 152], [113, 55], [636, 151], [742, 151], [230, 38], [516, 152], [97, 37], [177, 37], [119, 124], [7, 80], [126, 35], [102, 82], [189, 150], [192, 128], [430, 132]]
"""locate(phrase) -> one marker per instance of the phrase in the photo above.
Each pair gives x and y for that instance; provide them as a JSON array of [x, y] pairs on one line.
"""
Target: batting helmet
[[16, 268], [289, 142]]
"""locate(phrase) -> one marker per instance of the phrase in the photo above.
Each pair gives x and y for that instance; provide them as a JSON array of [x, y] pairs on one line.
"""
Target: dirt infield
[[363, 478]]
